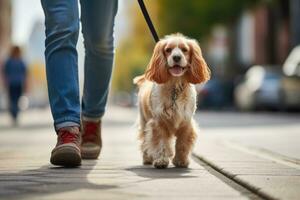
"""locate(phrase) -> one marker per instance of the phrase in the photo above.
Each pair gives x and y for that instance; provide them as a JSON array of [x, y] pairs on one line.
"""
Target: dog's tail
[[139, 80]]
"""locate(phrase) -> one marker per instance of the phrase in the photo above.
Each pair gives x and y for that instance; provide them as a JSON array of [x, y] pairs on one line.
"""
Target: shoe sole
[[66, 156]]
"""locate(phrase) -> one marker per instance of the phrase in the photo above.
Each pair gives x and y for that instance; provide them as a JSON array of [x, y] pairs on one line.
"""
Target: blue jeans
[[62, 29]]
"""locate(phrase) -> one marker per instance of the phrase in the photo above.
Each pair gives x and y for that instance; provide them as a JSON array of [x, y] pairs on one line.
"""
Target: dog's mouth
[[177, 70]]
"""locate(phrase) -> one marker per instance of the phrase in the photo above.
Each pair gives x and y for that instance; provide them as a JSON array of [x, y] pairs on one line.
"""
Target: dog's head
[[177, 56]]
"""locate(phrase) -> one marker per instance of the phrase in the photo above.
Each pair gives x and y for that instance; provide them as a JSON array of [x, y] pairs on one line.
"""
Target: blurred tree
[[197, 17], [194, 18], [133, 54]]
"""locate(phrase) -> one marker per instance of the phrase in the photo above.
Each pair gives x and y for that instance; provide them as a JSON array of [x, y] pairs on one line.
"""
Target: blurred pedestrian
[[14, 72], [62, 29]]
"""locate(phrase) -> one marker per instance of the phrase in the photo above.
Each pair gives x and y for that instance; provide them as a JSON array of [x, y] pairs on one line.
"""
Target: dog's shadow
[[148, 171], [48, 180]]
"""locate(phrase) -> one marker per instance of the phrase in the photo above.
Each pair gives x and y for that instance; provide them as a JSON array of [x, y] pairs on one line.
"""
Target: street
[[237, 156]]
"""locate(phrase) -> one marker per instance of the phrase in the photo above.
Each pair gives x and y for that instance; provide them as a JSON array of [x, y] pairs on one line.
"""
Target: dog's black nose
[[176, 58]]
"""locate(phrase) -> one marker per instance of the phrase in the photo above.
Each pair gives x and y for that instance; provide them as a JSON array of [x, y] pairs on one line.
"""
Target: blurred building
[[5, 40], [5, 27], [267, 33], [35, 44], [264, 34], [34, 55]]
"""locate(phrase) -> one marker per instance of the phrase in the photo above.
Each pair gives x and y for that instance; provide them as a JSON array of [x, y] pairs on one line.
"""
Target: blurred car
[[215, 94], [261, 88], [291, 80]]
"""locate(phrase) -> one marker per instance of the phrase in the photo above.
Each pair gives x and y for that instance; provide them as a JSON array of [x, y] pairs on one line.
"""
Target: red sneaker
[[67, 150], [91, 143]]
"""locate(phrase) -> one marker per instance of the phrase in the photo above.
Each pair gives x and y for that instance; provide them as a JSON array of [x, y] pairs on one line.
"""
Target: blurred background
[[249, 108], [251, 46]]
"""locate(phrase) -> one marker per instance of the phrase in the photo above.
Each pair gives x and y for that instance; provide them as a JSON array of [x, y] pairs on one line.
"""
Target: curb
[[262, 176], [234, 178]]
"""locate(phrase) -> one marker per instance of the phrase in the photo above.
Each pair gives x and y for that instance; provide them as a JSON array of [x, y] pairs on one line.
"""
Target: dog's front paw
[[161, 163], [181, 163]]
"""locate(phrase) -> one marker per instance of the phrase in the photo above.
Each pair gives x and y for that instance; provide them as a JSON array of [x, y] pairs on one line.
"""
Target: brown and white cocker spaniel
[[167, 100]]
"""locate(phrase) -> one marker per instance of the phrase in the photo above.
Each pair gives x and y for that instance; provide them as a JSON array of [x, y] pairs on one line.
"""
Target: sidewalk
[[118, 174], [25, 172], [263, 156]]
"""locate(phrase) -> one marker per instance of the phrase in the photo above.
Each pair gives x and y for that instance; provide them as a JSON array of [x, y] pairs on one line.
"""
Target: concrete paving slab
[[258, 174], [280, 186]]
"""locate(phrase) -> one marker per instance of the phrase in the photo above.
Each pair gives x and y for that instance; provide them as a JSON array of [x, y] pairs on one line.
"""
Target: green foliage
[[195, 17], [133, 55]]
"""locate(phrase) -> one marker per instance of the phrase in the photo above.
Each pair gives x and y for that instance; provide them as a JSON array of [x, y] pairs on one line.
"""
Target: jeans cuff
[[66, 124], [92, 117]]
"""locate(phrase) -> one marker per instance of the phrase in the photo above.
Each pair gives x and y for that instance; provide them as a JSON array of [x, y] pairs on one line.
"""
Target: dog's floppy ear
[[198, 71], [157, 70], [139, 80]]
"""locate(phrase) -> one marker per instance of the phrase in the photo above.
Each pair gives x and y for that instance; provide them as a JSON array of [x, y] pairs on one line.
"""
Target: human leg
[[62, 26], [97, 17], [14, 96], [97, 27]]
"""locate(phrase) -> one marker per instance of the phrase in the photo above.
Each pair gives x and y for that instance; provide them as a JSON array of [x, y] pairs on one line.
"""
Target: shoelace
[[90, 131], [67, 137]]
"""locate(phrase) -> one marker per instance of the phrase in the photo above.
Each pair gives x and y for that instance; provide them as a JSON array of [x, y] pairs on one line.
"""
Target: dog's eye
[[168, 50], [184, 49]]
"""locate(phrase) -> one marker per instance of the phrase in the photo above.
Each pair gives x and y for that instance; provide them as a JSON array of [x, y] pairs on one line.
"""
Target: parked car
[[261, 88], [215, 94], [291, 80]]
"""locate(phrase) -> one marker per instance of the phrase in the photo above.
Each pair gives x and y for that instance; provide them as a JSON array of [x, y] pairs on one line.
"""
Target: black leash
[[148, 20]]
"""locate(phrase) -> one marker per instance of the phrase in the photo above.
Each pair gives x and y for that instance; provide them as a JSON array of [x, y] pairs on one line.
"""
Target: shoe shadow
[[48, 180]]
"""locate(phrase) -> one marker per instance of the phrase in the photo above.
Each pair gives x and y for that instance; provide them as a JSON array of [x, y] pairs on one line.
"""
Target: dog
[[167, 101]]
